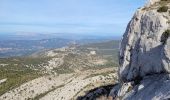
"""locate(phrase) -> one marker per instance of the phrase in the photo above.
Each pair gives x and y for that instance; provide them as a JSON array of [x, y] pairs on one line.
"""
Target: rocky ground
[[59, 74], [144, 59], [61, 87]]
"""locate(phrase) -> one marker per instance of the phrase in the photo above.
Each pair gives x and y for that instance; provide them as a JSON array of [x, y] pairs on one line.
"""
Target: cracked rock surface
[[144, 56]]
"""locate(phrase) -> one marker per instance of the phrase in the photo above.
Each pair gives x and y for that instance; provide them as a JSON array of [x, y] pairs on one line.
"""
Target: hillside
[[21, 47], [55, 72], [13, 48], [107, 49], [114, 44]]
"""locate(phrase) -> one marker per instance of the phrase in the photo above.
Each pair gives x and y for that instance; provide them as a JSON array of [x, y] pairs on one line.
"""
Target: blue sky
[[67, 16]]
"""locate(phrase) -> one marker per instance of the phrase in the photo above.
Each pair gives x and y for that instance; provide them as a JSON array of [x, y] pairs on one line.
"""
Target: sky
[[67, 16]]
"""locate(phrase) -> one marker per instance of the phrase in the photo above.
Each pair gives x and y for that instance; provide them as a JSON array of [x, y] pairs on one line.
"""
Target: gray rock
[[144, 57], [154, 87], [151, 2], [141, 51]]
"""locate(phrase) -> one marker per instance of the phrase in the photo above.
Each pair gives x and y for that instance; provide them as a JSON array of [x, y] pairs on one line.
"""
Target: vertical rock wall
[[142, 52]]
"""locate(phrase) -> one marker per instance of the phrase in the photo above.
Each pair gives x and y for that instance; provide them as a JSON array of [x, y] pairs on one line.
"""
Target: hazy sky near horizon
[[67, 16]]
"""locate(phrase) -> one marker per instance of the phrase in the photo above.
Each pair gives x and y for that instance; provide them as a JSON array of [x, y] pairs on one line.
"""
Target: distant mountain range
[[23, 47], [40, 36]]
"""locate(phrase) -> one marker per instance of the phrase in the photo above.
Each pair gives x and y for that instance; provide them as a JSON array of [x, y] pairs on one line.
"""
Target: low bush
[[165, 36], [163, 9]]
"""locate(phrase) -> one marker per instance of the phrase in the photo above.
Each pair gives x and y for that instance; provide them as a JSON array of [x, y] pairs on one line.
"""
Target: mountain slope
[[21, 47], [145, 55], [114, 44], [52, 73]]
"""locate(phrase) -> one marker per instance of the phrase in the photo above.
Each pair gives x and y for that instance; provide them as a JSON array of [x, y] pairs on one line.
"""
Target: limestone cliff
[[145, 54], [142, 51]]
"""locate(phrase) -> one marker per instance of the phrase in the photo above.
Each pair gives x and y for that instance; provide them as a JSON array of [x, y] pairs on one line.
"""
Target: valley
[[61, 73], [25, 45]]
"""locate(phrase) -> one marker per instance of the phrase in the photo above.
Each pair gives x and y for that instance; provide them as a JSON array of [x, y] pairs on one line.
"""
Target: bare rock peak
[[144, 55]]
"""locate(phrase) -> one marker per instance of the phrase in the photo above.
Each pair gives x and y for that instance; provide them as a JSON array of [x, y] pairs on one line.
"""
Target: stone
[[141, 51], [154, 87], [144, 57]]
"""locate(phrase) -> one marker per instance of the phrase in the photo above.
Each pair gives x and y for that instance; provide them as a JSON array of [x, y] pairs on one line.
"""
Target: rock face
[[155, 87], [141, 51], [145, 55], [151, 2]]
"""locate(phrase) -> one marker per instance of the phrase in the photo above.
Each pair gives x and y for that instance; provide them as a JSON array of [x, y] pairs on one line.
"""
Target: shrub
[[50, 78], [164, 0], [165, 36], [163, 9]]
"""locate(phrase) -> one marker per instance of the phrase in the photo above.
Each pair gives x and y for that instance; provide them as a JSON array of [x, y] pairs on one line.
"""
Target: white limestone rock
[[144, 58], [151, 2], [154, 87], [141, 51]]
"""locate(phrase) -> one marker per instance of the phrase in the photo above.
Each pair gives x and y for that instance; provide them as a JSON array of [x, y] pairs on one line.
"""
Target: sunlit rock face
[[142, 51], [151, 2], [144, 57]]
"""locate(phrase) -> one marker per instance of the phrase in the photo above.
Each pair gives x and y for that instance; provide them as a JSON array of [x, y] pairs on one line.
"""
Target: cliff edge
[[144, 56]]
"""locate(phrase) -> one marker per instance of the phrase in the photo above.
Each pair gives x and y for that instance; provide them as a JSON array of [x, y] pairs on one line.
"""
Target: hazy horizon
[[63, 16]]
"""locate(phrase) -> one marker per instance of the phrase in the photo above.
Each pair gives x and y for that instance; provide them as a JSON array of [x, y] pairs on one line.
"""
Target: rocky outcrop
[[141, 51], [154, 87], [145, 55], [151, 2]]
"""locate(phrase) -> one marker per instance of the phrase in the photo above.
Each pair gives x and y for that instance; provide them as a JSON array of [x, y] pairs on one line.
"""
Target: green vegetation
[[110, 54], [162, 6], [108, 50], [82, 61], [16, 72], [164, 2], [163, 9], [167, 33], [165, 36], [15, 78], [114, 44], [63, 69], [68, 66], [22, 61]]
